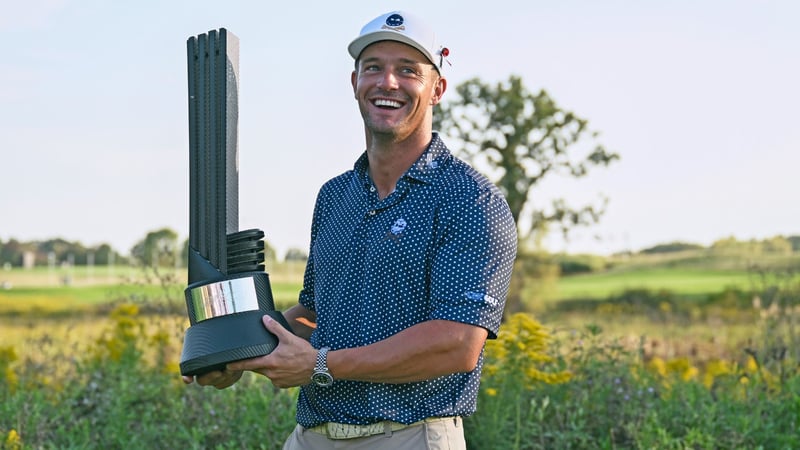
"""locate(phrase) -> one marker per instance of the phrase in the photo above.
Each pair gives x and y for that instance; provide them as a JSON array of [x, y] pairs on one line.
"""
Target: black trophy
[[228, 289]]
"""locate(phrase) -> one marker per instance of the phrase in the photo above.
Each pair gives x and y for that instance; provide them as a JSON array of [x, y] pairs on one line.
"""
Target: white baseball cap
[[402, 27]]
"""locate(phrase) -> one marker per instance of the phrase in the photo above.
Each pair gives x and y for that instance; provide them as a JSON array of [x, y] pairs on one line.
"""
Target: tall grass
[[542, 389], [108, 378]]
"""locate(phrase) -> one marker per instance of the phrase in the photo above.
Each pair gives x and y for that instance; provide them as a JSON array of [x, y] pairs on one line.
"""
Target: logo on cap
[[394, 23]]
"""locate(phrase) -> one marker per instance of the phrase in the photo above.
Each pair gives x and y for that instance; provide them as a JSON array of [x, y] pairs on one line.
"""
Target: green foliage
[[56, 252], [672, 247], [522, 138], [684, 282], [571, 387], [125, 392], [795, 242], [517, 364], [158, 248], [577, 264], [613, 400], [777, 245], [535, 278], [295, 254]]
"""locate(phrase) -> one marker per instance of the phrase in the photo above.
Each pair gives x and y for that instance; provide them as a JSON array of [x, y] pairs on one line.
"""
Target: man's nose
[[388, 80]]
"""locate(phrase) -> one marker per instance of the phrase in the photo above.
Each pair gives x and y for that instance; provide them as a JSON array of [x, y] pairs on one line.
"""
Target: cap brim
[[360, 43]]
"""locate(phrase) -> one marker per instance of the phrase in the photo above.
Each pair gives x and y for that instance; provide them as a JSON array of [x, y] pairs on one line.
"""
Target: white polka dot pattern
[[441, 246]]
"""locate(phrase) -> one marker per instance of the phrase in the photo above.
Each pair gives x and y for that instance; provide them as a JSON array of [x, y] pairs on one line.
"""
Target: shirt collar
[[424, 169]]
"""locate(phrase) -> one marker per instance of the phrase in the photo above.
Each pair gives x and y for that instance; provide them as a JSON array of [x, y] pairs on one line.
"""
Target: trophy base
[[211, 344]]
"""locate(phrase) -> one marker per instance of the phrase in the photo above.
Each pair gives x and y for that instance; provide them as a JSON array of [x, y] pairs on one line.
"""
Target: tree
[[295, 254], [777, 245], [523, 138], [158, 248], [671, 247], [795, 241], [11, 252]]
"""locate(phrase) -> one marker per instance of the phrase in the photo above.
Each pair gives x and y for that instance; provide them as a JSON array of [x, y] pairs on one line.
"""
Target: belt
[[334, 430]]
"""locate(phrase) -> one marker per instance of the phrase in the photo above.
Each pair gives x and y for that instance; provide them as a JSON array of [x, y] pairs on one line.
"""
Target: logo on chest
[[396, 231]]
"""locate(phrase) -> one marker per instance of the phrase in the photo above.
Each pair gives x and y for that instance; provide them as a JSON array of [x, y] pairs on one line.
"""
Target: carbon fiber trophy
[[228, 289]]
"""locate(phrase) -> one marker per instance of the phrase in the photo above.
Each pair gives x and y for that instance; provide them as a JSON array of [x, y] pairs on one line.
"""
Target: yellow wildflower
[[715, 369], [7, 356], [658, 366], [751, 366], [521, 348], [13, 440]]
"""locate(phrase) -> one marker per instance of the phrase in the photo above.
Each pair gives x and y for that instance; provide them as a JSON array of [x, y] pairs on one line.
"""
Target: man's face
[[396, 88]]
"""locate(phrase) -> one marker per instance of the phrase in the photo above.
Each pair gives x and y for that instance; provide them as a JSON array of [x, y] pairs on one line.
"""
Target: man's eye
[[372, 68]]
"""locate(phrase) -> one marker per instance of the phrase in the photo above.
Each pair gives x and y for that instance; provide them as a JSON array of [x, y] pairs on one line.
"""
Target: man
[[409, 266]]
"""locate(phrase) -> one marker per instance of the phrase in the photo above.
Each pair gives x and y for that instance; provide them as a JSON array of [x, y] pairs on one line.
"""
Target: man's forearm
[[424, 351]]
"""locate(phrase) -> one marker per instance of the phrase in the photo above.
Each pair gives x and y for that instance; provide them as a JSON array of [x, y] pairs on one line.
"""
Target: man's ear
[[438, 90], [353, 82]]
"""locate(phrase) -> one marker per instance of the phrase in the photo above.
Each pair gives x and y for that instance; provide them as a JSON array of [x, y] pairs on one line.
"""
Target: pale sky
[[700, 99]]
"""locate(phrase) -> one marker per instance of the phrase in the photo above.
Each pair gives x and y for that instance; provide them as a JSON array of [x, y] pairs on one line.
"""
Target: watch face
[[322, 379]]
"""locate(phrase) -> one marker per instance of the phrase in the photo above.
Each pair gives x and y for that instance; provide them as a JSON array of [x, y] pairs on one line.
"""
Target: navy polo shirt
[[441, 246]]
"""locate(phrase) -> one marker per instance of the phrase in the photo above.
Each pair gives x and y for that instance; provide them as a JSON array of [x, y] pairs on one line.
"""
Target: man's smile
[[385, 103]]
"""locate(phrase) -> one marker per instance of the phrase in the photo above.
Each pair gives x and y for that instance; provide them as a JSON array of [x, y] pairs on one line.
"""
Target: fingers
[[218, 379], [274, 327]]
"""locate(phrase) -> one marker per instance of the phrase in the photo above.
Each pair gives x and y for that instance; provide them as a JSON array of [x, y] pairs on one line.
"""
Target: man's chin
[[382, 128]]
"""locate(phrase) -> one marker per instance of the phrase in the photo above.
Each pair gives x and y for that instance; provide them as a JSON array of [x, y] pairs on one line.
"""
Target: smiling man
[[409, 266]]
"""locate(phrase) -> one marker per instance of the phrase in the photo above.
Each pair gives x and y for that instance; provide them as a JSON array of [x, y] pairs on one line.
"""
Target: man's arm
[[426, 350]]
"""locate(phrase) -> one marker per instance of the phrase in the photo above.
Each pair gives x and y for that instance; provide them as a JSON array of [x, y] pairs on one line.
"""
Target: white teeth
[[389, 103]]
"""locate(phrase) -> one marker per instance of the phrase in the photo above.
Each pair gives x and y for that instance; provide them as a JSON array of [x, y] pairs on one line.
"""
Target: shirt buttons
[[372, 188], [372, 212]]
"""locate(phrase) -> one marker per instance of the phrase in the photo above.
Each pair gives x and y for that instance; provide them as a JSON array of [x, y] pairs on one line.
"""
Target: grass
[[38, 287], [629, 367], [680, 281], [43, 290]]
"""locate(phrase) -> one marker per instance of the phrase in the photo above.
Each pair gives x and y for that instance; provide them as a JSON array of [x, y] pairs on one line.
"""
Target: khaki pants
[[445, 434]]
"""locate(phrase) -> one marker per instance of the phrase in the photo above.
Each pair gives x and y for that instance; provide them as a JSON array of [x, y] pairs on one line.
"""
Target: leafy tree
[[158, 248], [105, 255], [795, 241], [519, 138], [73, 252], [777, 244], [523, 137], [295, 254], [11, 252], [732, 246]]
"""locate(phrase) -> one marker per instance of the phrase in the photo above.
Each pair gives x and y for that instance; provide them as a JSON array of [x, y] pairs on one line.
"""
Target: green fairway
[[65, 299], [678, 280], [43, 289]]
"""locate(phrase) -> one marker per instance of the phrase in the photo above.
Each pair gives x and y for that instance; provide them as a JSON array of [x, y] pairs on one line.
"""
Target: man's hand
[[218, 379], [290, 364]]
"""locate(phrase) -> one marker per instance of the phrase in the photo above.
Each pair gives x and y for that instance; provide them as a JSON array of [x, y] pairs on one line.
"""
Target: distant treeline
[[774, 245], [158, 247], [728, 252], [57, 252], [60, 251]]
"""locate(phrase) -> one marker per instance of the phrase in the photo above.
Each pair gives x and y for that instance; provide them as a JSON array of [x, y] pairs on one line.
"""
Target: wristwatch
[[321, 376]]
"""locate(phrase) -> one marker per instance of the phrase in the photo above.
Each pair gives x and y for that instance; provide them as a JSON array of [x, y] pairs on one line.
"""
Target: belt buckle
[[347, 431]]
